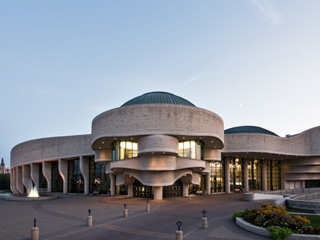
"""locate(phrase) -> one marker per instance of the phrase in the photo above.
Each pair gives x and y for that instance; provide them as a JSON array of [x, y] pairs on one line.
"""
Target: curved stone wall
[[50, 149], [158, 143], [163, 119], [304, 144]]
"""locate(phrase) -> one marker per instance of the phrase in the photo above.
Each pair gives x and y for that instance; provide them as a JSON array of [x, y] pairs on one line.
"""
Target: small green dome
[[249, 129], [158, 97]]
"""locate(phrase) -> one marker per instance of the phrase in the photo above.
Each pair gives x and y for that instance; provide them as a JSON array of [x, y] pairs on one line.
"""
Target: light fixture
[[102, 142], [99, 147], [115, 138]]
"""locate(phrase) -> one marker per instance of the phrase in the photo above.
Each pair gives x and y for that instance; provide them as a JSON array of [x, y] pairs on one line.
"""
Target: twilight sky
[[253, 62]]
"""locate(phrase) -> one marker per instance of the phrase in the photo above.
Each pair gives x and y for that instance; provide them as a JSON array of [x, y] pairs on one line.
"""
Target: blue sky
[[253, 62]]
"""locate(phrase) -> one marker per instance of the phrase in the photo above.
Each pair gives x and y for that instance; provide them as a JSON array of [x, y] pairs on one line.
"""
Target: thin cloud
[[196, 78], [267, 8]]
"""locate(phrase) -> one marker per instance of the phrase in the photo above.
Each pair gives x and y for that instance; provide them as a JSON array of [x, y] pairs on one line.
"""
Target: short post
[[125, 211], [179, 233], [148, 206], [204, 220], [189, 197], [89, 218], [35, 231]]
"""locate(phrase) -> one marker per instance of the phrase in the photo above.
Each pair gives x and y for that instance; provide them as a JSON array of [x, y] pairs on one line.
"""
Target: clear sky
[[253, 62]]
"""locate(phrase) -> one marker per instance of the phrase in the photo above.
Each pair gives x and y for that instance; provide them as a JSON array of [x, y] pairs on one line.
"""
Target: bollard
[[125, 211], [148, 206], [89, 218], [204, 220], [35, 231], [179, 233], [189, 197]]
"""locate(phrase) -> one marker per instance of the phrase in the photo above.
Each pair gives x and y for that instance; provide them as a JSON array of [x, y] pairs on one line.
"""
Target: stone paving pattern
[[66, 218]]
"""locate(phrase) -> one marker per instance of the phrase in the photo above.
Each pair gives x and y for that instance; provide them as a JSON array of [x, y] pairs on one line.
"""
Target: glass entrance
[[174, 190], [143, 191]]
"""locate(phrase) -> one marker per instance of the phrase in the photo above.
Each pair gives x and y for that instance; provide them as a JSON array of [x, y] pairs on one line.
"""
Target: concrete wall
[[50, 149], [154, 119]]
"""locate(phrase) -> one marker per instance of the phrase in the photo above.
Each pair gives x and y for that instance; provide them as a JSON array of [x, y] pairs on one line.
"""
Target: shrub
[[279, 233], [269, 214], [237, 214]]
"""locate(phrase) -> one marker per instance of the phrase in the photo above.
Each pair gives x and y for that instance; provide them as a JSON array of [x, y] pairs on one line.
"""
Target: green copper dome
[[158, 97], [249, 129]]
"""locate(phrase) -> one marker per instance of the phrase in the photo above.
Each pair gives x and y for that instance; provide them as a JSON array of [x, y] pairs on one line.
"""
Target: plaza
[[66, 218]]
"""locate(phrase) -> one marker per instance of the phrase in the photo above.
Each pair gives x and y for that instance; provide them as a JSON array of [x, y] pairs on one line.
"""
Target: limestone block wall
[[154, 119], [50, 149]]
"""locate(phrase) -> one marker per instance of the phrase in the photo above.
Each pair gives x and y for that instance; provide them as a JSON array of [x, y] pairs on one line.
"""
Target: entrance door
[[143, 191], [174, 190]]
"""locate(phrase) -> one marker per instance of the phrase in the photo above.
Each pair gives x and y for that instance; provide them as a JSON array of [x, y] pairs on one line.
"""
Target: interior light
[[99, 147], [102, 142]]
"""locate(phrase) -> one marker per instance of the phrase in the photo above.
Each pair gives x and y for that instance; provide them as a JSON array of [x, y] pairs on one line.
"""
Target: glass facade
[[217, 176], [190, 149], [75, 178], [236, 174], [99, 181], [42, 180], [124, 149], [273, 174], [57, 182], [255, 174]]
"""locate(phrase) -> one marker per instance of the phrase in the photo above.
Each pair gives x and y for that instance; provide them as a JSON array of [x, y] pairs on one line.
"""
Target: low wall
[[260, 196], [305, 202]]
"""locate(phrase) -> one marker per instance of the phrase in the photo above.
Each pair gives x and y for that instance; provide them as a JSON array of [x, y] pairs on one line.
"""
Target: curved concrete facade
[[160, 130]]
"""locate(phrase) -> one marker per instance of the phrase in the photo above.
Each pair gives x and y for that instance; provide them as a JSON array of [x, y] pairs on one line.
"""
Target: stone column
[[264, 175], [185, 190], [34, 170], [113, 184], [19, 179], [245, 176], [26, 177], [47, 173], [227, 174], [157, 193], [208, 184], [63, 170], [130, 190], [14, 182], [84, 168]]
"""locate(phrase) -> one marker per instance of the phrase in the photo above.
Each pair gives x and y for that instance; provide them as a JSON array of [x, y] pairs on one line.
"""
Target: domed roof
[[158, 97], [249, 129]]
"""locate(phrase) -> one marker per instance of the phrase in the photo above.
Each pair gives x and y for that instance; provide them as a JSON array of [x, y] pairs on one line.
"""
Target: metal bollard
[[189, 197], [204, 220], [35, 231], [89, 219], [148, 206], [179, 233], [125, 211]]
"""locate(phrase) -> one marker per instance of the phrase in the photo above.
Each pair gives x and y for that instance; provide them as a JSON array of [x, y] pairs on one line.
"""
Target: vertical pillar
[[157, 193], [227, 174], [208, 184], [185, 190], [63, 170], [84, 168], [113, 184], [245, 175], [26, 177], [14, 182], [19, 179], [47, 173], [264, 175], [130, 190], [34, 170]]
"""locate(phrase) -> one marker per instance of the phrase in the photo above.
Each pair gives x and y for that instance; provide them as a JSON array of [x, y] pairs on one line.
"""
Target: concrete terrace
[[66, 218]]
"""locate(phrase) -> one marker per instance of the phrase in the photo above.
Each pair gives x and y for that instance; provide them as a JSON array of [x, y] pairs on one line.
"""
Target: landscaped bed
[[277, 220]]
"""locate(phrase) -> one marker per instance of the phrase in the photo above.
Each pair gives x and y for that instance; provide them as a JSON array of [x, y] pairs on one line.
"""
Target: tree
[[4, 181]]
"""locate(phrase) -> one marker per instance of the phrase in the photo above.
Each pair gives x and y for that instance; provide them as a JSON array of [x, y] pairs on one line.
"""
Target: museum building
[[160, 145]]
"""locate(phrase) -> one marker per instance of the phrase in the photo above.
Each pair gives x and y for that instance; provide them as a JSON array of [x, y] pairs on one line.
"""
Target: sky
[[252, 62]]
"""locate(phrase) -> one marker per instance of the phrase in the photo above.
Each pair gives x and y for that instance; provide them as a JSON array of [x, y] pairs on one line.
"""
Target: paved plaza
[[66, 218]]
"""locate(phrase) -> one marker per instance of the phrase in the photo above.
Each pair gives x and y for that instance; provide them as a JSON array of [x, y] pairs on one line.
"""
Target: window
[[191, 149], [124, 149]]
